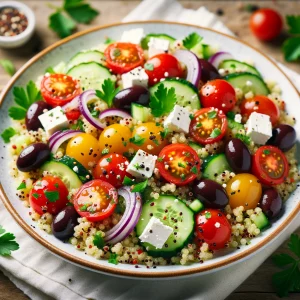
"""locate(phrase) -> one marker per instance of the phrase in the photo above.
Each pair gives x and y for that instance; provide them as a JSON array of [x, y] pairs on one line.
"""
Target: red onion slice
[[113, 112], [74, 104], [192, 63], [61, 138], [218, 57], [53, 137]]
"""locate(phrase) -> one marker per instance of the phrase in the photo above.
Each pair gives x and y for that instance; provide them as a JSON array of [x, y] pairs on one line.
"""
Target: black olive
[[283, 136], [271, 203], [208, 71], [34, 111]]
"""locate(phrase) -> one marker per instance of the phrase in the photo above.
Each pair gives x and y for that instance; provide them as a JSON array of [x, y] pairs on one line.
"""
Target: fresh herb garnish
[[207, 215], [160, 159], [22, 186], [156, 142], [230, 115], [7, 134], [194, 170], [95, 113], [128, 181], [105, 151], [50, 70], [116, 52], [108, 40], [8, 66], [137, 140], [108, 91], [164, 133], [108, 159], [192, 40], [139, 187], [79, 125], [52, 196], [181, 165], [84, 207], [199, 125], [7, 242], [244, 138], [56, 185], [35, 195], [266, 152], [288, 280], [163, 100], [215, 133], [212, 114], [113, 259], [98, 240], [149, 67]]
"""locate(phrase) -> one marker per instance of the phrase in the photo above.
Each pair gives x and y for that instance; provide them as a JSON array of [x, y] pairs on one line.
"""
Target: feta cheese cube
[[142, 165], [178, 120], [259, 128], [157, 46], [156, 233], [133, 36], [54, 120], [238, 118], [137, 76]]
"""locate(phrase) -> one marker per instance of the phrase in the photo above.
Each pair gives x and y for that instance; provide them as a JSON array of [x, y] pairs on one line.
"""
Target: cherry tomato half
[[208, 125], [73, 114], [59, 89], [266, 24], [48, 194], [112, 168], [163, 66], [96, 200], [260, 104], [213, 228], [123, 57], [178, 163], [218, 93], [270, 165]]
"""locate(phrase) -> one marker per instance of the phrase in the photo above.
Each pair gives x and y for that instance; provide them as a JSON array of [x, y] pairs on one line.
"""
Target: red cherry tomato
[[266, 24], [59, 89], [73, 114], [123, 57], [213, 228], [48, 194], [270, 165], [112, 168], [178, 163], [208, 125], [96, 200], [218, 93], [262, 105], [162, 66]]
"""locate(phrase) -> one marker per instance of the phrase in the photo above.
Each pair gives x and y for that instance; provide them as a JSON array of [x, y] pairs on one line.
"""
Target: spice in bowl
[[12, 22]]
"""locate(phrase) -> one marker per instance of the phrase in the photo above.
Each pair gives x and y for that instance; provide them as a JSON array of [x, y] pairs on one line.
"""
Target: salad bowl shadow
[[63, 50]]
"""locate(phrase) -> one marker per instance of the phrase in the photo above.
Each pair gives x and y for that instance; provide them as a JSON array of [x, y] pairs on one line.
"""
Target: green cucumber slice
[[196, 147], [230, 64], [140, 112], [215, 164], [146, 39], [196, 206], [260, 220], [86, 57]]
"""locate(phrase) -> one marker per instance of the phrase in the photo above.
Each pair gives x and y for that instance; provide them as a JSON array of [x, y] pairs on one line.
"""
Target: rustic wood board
[[258, 285]]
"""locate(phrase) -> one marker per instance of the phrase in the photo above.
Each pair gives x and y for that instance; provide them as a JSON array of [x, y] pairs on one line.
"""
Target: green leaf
[[194, 170], [266, 152], [212, 114], [215, 133], [20, 96], [61, 24], [294, 244], [33, 93], [149, 67], [181, 165], [282, 259], [139, 187], [105, 151], [35, 195], [22, 186], [108, 91], [163, 100], [113, 259], [291, 49], [137, 140], [17, 113], [164, 133], [108, 40], [98, 240], [50, 70], [52, 196], [7, 134], [294, 24], [244, 138], [7, 243], [192, 40], [207, 215], [8, 66], [127, 181], [230, 115]]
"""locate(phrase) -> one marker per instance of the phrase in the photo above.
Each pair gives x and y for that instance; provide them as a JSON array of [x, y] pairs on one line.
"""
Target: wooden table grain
[[258, 285]]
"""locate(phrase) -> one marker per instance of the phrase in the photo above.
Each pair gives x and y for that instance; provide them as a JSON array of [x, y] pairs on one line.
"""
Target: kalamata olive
[[283, 136], [238, 156], [271, 203], [64, 222], [137, 94], [33, 156], [210, 193], [36, 109], [208, 71]]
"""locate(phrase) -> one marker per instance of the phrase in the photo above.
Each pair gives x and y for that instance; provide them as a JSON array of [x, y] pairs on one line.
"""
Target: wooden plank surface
[[258, 285]]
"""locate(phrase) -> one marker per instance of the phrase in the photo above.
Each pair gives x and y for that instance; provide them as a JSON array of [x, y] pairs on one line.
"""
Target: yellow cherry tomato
[[84, 148], [115, 138], [147, 136], [244, 190]]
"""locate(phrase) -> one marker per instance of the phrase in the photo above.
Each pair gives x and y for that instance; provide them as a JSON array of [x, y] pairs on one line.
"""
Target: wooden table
[[257, 286]]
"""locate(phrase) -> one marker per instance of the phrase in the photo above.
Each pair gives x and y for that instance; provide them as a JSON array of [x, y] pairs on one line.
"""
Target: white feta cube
[[157, 46], [133, 36], [142, 165], [54, 120], [156, 233], [137, 76], [178, 120], [238, 118], [259, 128]]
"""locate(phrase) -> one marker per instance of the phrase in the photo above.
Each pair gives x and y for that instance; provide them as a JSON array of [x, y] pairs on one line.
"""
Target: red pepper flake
[[139, 251], [14, 147]]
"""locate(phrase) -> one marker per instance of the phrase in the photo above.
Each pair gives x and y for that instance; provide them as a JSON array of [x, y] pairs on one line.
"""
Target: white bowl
[[66, 48], [23, 37]]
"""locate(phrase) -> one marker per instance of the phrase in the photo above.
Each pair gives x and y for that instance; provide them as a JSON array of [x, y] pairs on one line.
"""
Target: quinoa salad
[[152, 150]]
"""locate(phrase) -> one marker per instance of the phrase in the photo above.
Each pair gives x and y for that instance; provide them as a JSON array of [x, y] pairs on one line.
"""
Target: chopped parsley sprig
[[192, 40], [7, 242], [108, 92]]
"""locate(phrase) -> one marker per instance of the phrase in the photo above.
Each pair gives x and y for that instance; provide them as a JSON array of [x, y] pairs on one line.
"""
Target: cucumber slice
[[196, 147], [196, 206], [260, 220], [85, 57], [215, 164], [67, 175], [186, 93], [140, 112], [235, 64], [82, 173], [146, 39], [146, 194], [239, 80], [207, 51], [91, 75], [178, 216]]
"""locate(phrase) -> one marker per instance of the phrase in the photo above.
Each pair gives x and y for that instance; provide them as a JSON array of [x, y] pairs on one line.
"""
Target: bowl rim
[[128, 273]]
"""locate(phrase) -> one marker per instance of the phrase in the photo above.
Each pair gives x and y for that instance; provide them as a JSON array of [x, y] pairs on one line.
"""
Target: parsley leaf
[[128, 181], [108, 40], [192, 40], [163, 100], [98, 240], [137, 140], [164, 133], [230, 115], [105, 151], [52, 196], [207, 215], [8, 66], [244, 138], [17, 113], [108, 91], [22, 186], [294, 244], [291, 49], [212, 114], [194, 170], [7, 243], [215, 133], [113, 259], [50, 70], [139, 187], [61, 24], [7, 134], [294, 24]]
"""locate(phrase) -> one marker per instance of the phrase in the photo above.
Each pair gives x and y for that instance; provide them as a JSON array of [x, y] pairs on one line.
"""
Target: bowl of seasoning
[[17, 24]]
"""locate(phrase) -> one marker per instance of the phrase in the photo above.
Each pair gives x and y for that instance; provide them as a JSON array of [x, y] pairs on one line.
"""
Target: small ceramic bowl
[[22, 38]]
